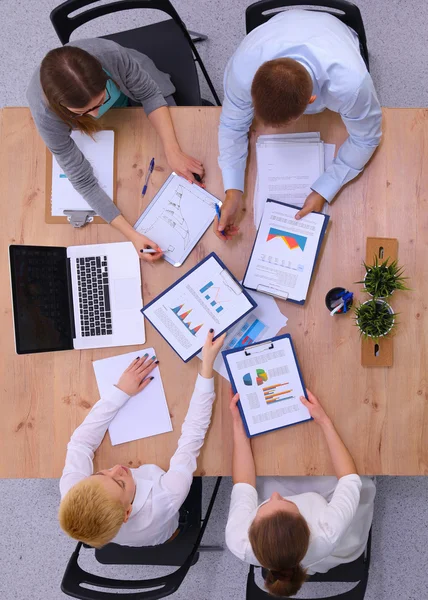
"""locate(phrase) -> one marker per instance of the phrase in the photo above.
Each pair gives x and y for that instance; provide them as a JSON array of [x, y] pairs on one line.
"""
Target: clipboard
[[252, 350], [48, 199], [204, 225], [233, 279], [275, 291]]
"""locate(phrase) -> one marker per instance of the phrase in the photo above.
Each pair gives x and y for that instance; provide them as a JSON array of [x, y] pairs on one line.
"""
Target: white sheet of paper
[[286, 172], [100, 153], [206, 298], [146, 413], [269, 386], [285, 251], [177, 217], [264, 322]]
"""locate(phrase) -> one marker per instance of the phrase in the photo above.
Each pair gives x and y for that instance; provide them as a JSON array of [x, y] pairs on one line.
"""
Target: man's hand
[[142, 242], [136, 377], [313, 203], [185, 165], [226, 229]]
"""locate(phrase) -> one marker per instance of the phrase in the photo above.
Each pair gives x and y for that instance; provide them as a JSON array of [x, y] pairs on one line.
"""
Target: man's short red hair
[[281, 91]]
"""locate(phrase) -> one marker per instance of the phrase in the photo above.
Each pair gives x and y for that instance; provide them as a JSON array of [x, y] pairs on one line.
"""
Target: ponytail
[[285, 583], [280, 542]]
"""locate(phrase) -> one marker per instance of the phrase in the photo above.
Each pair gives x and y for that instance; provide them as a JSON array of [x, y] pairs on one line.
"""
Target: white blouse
[[159, 494], [338, 512]]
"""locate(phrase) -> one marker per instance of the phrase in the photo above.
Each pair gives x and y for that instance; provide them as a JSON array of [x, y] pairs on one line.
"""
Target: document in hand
[[100, 153], [268, 380], [177, 218], [143, 415], [206, 297], [287, 165], [285, 252]]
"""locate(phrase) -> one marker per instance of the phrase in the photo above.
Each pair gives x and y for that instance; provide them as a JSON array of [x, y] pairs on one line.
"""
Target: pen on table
[[218, 212], [150, 251], [149, 172]]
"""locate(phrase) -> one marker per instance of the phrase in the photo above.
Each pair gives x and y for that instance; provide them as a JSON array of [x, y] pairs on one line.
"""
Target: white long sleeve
[[87, 437]]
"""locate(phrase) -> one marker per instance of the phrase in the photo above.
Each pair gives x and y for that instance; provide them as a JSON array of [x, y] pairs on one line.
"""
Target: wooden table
[[382, 414]]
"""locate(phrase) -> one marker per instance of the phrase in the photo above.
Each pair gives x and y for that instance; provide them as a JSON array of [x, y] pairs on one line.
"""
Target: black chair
[[168, 43], [260, 12], [182, 551], [356, 571]]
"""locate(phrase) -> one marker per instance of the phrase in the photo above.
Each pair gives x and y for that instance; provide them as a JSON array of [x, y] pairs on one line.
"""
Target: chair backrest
[[260, 12], [177, 58], [356, 571], [150, 589], [64, 25]]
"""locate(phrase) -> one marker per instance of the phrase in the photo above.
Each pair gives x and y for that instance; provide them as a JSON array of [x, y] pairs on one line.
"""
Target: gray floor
[[33, 551]]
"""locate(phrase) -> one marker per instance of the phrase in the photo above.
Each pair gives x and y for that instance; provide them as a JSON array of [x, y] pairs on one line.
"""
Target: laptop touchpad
[[124, 293]]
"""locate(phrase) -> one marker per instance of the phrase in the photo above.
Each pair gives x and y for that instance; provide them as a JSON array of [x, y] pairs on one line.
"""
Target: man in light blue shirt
[[323, 69]]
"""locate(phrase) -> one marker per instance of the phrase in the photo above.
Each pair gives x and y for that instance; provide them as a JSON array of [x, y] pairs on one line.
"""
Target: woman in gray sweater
[[74, 86]]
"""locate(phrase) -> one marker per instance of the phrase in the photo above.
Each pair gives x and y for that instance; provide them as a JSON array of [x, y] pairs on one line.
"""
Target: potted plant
[[381, 280], [374, 318]]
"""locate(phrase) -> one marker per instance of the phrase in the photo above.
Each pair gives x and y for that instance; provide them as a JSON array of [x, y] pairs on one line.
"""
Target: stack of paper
[[287, 165], [143, 415]]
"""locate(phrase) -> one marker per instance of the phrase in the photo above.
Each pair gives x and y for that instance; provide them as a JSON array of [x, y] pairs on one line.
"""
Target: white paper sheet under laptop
[[177, 218], [267, 378], [284, 252], [100, 153], [287, 166], [143, 415]]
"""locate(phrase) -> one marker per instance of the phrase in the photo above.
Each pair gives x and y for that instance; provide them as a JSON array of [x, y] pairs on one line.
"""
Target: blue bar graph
[[206, 287], [219, 309]]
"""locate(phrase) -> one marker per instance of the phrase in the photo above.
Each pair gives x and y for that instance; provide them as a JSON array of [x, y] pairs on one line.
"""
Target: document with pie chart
[[285, 252], [269, 382]]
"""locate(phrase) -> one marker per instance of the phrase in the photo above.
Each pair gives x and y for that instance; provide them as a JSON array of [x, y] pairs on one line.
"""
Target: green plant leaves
[[374, 318]]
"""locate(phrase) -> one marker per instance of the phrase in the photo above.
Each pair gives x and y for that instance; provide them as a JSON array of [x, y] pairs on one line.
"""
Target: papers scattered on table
[[264, 322], [146, 413], [100, 153], [287, 165], [177, 218]]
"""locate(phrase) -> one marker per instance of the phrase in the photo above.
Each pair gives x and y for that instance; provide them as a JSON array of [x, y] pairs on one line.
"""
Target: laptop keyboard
[[94, 296]]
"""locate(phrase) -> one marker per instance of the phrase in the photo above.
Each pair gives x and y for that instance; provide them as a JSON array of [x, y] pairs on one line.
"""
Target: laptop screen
[[41, 301]]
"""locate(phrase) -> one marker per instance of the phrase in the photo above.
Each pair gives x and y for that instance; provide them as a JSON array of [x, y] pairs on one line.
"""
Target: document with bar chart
[[285, 252], [206, 297], [269, 382]]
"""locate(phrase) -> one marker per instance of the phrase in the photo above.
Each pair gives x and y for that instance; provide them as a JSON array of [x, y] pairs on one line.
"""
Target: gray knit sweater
[[137, 77]]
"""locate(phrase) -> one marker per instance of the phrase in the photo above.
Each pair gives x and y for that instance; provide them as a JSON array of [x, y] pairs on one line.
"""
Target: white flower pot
[[391, 312]]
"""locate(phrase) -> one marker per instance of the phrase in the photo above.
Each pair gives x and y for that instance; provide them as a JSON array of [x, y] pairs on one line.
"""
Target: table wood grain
[[382, 414]]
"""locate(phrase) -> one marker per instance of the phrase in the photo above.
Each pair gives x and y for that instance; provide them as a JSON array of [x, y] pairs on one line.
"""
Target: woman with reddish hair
[[297, 526], [77, 84]]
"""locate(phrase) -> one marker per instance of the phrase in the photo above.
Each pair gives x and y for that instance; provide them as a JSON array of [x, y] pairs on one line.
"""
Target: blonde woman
[[77, 84], [133, 507], [295, 526]]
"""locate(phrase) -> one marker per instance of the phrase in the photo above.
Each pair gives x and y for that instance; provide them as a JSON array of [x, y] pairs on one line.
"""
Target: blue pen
[[218, 212], [149, 172]]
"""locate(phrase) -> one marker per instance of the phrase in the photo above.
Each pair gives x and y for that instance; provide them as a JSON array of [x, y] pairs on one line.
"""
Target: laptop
[[77, 297]]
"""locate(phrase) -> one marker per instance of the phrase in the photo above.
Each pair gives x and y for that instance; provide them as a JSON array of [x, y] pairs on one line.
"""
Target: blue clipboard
[[212, 255], [247, 352], [323, 230]]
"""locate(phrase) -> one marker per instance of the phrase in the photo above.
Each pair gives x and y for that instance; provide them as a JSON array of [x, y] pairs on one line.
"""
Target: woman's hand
[[185, 165], [234, 410], [315, 409], [136, 377], [142, 242], [209, 353]]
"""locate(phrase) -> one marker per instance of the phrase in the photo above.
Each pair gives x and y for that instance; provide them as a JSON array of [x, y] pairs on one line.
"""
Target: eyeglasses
[[76, 115]]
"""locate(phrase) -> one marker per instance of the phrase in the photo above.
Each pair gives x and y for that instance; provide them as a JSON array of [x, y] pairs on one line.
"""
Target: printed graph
[[250, 332], [212, 294], [182, 315], [260, 377], [292, 240], [274, 393]]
